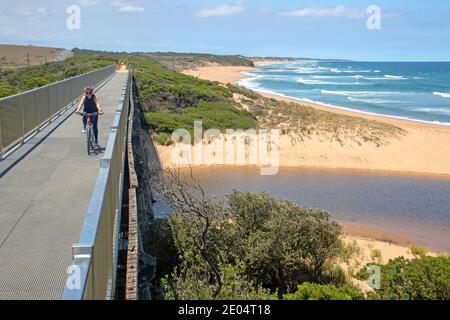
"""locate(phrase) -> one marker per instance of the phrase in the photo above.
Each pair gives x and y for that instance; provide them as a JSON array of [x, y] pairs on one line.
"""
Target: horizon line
[[237, 54]]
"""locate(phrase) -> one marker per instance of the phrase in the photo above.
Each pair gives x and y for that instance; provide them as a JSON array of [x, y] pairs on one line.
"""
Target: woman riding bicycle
[[90, 104]]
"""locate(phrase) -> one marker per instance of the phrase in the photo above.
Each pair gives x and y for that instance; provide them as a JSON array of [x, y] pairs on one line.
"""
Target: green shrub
[[158, 241], [214, 115], [7, 90], [334, 274], [173, 101], [310, 291], [418, 252], [376, 255], [427, 278], [272, 243], [349, 251], [164, 89], [162, 139], [189, 286]]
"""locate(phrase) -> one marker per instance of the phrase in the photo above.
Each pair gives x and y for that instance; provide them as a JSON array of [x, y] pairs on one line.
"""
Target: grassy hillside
[[177, 61], [173, 100]]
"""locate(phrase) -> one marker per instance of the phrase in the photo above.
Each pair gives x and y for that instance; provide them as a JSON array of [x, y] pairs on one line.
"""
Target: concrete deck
[[43, 203]]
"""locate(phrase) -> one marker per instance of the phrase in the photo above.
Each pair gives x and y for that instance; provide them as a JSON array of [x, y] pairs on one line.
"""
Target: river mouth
[[411, 206]]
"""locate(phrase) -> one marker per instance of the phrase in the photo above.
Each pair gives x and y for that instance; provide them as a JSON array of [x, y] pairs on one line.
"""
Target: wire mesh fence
[[23, 114]]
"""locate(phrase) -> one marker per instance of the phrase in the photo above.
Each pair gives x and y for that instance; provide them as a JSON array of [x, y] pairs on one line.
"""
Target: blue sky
[[410, 30]]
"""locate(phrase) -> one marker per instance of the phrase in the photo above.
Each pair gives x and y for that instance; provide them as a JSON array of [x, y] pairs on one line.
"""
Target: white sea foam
[[357, 71], [388, 76], [376, 78], [339, 77], [442, 94], [359, 76], [309, 70], [362, 93], [440, 111], [338, 93], [250, 82], [319, 82], [306, 81], [371, 101]]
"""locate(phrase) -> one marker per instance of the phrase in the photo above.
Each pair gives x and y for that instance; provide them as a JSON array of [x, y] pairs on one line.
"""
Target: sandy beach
[[424, 150]]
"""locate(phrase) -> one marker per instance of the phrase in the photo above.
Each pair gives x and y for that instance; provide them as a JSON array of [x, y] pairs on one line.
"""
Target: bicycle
[[89, 131]]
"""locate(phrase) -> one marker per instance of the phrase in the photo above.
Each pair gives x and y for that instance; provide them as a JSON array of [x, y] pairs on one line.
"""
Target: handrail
[[92, 274], [24, 114]]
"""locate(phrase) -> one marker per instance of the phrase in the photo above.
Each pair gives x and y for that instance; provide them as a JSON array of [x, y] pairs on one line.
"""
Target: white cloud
[[31, 14], [337, 11], [131, 8], [25, 12], [89, 3], [222, 10], [42, 10], [124, 6]]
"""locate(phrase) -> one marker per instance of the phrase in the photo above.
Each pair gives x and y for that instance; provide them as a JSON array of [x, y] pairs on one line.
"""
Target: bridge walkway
[[43, 204]]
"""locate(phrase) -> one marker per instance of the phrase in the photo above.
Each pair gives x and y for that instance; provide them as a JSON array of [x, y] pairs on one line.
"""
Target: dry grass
[[14, 56], [302, 122]]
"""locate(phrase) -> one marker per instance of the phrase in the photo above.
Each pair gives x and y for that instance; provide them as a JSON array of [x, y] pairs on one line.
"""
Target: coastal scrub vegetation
[[241, 245], [184, 61], [253, 246], [313, 291], [174, 101], [425, 278]]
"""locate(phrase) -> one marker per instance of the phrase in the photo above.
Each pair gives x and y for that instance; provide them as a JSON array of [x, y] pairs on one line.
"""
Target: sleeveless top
[[90, 105]]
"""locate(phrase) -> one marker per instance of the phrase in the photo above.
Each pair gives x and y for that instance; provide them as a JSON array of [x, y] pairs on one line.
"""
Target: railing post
[[23, 119], [38, 112]]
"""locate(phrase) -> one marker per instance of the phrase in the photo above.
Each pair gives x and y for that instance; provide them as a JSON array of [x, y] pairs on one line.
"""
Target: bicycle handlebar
[[89, 114]]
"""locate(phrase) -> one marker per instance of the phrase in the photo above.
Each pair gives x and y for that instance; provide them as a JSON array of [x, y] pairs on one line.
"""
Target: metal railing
[[26, 113], [92, 273]]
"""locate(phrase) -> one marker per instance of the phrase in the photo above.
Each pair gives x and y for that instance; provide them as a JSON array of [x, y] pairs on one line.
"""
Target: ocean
[[417, 91]]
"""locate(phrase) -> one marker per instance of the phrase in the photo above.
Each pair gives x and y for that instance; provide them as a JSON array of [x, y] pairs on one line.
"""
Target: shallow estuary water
[[412, 206]]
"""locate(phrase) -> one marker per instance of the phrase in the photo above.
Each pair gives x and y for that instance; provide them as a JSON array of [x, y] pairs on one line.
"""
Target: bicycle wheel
[[89, 140]]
